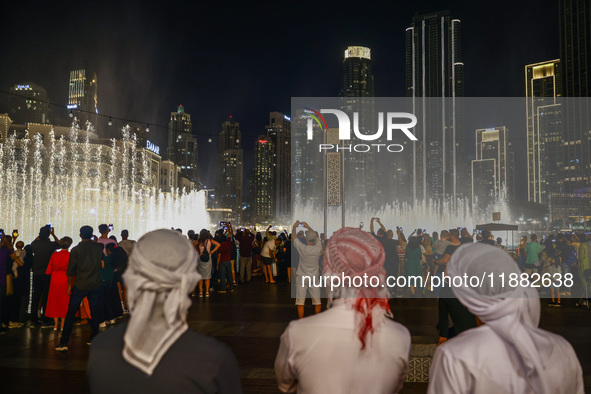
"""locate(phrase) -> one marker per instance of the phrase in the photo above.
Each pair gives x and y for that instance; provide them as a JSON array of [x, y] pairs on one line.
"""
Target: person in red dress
[[58, 298]]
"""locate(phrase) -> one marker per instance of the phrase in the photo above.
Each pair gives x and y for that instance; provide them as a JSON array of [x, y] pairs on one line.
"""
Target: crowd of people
[[57, 284], [102, 278]]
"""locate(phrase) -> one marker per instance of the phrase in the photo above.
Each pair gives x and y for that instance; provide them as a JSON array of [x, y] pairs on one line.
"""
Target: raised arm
[[294, 228], [371, 226], [52, 232], [381, 225], [216, 246]]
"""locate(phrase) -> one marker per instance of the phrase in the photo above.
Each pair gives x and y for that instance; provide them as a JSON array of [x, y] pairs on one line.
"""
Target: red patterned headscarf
[[353, 252]]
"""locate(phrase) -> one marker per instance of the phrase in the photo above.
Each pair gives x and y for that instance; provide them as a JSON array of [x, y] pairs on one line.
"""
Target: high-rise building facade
[[263, 194], [179, 126], [188, 159], [491, 175], [434, 70], [29, 104], [358, 92], [543, 87], [575, 57], [83, 97], [279, 133], [182, 145], [308, 163], [230, 168], [358, 78]]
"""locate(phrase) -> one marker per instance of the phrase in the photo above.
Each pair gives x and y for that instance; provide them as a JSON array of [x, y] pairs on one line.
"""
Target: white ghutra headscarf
[[160, 275], [512, 312]]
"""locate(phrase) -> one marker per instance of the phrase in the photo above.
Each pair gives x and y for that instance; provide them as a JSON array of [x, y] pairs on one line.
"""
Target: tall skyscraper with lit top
[[182, 145], [434, 69], [83, 96], [491, 175], [230, 168], [358, 78], [544, 111], [358, 92], [279, 133], [263, 184]]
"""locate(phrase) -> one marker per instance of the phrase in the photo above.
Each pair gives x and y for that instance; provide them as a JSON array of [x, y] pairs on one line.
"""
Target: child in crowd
[[21, 253]]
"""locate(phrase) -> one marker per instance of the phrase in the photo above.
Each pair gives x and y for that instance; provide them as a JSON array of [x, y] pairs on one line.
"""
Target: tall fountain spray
[[72, 181]]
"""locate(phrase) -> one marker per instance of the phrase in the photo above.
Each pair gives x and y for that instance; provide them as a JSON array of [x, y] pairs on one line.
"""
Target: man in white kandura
[[507, 353], [353, 347]]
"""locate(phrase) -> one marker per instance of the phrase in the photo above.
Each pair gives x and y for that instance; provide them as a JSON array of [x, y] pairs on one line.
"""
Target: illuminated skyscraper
[[491, 169], [543, 87], [188, 158], [230, 168], [179, 125], [575, 57], [182, 145], [359, 85], [358, 79], [434, 69], [29, 104], [278, 131], [83, 97], [263, 184]]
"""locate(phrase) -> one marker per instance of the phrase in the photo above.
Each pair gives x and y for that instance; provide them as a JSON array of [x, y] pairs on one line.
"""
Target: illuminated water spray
[[70, 182]]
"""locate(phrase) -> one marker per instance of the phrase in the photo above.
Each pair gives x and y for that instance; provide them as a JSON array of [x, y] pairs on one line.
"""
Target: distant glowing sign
[[360, 52], [152, 148], [22, 86], [287, 118], [72, 106]]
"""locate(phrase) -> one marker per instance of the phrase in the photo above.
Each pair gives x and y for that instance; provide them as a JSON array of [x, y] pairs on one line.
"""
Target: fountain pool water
[[432, 216], [71, 181]]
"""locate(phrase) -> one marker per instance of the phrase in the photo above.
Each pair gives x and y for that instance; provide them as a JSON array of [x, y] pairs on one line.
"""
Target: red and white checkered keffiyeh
[[353, 252]]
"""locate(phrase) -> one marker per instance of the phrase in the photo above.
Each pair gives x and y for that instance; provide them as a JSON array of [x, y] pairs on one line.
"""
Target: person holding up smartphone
[[42, 248]]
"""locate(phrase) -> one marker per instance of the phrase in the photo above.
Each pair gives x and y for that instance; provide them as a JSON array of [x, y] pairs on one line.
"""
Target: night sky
[[220, 59]]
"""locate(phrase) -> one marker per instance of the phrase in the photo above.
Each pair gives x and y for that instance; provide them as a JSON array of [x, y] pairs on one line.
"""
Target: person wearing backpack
[[204, 249]]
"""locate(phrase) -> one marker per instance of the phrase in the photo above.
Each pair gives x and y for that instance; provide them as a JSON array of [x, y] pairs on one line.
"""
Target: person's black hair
[[103, 228], [549, 248], [111, 247], [124, 233], [86, 232], [114, 238], [44, 232], [203, 236], [413, 243]]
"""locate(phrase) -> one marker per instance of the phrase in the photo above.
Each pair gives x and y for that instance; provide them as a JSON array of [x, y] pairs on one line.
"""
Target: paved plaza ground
[[250, 321]]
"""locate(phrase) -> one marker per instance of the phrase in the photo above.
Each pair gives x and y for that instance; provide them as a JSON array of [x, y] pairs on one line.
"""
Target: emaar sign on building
[[152, 147]]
